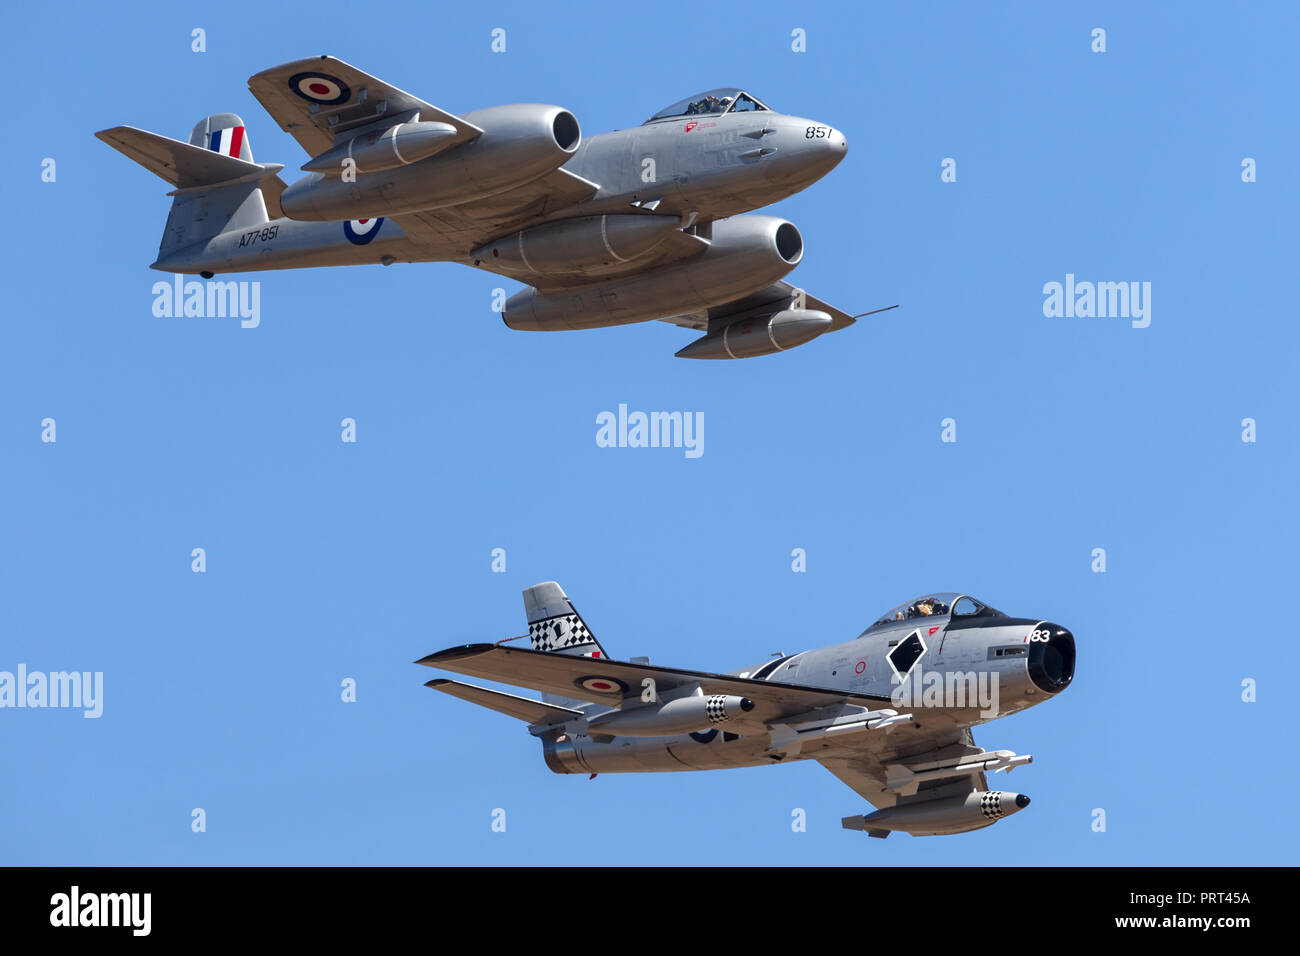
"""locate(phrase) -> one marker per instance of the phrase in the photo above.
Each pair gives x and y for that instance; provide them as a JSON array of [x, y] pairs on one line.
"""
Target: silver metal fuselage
[[977, 654], [722, 166]]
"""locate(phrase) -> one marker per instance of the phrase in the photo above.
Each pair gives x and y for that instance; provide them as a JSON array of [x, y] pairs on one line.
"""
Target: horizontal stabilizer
[[183, 165], [521, 708]]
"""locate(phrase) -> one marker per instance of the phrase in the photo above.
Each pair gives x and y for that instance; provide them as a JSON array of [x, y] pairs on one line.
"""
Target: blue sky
[[328, 560]]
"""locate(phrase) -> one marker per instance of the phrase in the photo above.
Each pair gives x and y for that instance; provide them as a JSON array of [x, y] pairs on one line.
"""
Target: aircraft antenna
[[874, 311]]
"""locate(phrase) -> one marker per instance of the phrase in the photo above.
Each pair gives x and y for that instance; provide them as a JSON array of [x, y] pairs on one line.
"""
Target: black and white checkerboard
[[558, 633]]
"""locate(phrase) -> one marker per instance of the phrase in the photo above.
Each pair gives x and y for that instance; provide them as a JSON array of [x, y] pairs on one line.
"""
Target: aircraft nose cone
[[808, 150], [831, 151], [831, 147], [1022, 801]]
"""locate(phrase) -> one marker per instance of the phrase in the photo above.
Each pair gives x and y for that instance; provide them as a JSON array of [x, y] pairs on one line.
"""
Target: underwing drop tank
[[980, 808], [684, 715]]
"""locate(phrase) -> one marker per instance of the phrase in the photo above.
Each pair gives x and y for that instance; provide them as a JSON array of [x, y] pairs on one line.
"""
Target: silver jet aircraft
[[623, 227], [889, 712]]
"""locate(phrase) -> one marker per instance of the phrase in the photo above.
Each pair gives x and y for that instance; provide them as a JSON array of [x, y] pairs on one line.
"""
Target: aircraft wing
[[272, 188], [865, 777], [315, 99], [868, 771], [583, 677], [778, 295], [453, 231]]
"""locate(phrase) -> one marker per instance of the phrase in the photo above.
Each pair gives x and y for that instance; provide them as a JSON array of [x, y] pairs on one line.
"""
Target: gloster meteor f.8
[[627, 226], [889, 712]]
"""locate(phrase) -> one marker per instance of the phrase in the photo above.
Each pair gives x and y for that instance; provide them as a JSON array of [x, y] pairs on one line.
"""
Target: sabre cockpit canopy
[[937, 604]]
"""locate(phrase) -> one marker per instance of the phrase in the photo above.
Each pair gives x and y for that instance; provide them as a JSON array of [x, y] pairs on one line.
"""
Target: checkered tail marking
[[561, 633]]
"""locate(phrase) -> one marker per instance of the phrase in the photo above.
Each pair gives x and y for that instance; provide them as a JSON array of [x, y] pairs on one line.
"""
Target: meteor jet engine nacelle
[[519, 144], [398, 145], [575, 246], [760, 335], [681, 716], [980, 808], [745, 254]]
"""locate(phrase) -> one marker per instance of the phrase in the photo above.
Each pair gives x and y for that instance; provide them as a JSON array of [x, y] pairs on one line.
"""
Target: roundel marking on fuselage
[[361, 231]]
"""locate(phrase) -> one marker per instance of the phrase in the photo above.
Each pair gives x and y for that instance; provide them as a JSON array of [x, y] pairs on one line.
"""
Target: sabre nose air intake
[[1051, 661]]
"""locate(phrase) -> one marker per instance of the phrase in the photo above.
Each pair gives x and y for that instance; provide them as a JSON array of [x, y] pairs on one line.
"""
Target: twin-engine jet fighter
[[888, 712], [623, 227]]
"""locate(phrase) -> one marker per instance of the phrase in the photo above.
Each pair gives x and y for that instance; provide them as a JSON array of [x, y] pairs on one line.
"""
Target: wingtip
[[454, 653]]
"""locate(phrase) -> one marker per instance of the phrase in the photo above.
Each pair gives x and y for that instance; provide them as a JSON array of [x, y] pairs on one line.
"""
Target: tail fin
[[556, 627], [554, 624], [223, 133], [218, 186]]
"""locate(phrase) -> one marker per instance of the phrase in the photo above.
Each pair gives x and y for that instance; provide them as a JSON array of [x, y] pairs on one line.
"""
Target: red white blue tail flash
[[228, 142]]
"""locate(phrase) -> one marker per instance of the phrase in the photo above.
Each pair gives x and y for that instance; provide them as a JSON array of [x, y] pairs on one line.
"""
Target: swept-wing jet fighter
[[889, 712], [627, 226]]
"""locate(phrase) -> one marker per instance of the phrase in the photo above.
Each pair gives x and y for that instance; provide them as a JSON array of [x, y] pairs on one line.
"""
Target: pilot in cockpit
[[710, 104], [927, 607]]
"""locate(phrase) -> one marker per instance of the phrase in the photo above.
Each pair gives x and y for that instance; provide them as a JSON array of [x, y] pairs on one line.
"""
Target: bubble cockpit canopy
[[727, 99], [937, 604]]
